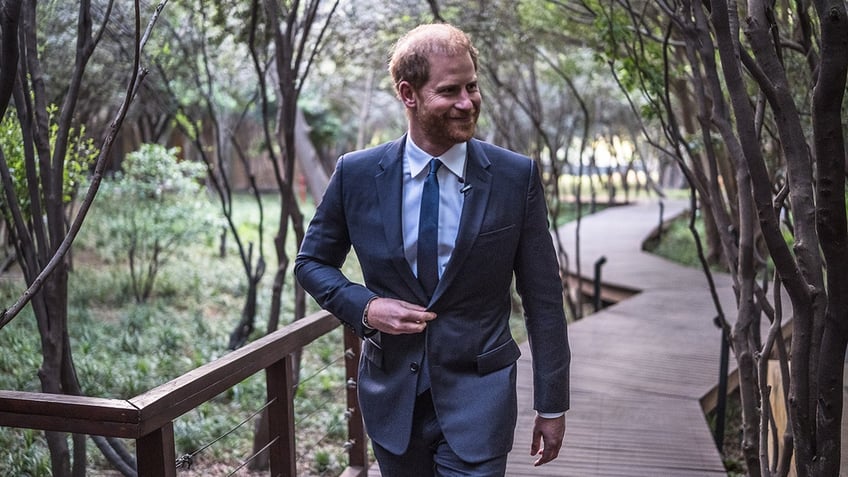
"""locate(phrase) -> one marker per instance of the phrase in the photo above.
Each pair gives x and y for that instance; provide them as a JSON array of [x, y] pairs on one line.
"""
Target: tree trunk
[[51, 315], [829, 149]]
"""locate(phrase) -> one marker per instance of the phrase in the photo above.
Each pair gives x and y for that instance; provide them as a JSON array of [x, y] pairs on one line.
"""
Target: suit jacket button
[[413, 367]]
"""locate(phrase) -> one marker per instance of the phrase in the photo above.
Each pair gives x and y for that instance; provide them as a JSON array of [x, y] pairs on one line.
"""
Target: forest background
[[152, 176]]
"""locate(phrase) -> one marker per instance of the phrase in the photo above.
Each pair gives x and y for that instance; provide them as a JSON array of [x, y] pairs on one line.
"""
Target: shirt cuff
[[550, 415]]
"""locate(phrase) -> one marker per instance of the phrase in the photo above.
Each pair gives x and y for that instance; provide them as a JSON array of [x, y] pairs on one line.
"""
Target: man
[[438, 243]]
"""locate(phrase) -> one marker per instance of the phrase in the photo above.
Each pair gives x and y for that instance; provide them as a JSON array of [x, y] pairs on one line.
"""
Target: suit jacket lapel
[[477, 176], [389, 189]]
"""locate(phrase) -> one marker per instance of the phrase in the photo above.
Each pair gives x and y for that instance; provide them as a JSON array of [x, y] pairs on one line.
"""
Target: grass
[[677, 243], [731, 452]]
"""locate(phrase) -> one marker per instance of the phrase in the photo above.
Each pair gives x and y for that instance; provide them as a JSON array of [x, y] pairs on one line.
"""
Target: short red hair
[[410, 55]]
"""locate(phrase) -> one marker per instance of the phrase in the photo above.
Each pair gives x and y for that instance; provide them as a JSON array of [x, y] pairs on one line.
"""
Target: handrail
[[148, 418]]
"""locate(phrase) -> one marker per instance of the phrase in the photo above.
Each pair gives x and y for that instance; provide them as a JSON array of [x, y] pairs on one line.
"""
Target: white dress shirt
[[415, 169]]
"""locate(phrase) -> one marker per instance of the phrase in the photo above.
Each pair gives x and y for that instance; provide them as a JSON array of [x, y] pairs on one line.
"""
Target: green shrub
[[145, 214], [80, 155]]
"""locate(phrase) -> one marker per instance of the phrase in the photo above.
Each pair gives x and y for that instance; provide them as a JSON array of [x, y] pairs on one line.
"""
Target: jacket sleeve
[[325, 248], [540, 286]]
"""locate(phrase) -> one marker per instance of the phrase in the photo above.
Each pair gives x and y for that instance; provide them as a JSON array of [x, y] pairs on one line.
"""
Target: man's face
[[444, 111]]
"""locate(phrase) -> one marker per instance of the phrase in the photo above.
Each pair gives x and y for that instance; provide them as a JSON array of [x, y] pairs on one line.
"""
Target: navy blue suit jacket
[[503, 232]]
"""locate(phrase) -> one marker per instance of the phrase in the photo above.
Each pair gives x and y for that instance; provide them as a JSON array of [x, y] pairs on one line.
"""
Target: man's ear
[[406, 93]]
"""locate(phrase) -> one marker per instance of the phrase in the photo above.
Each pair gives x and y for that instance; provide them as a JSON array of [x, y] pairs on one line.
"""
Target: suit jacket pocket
[[490, 233], [372, 351], [498, 358]]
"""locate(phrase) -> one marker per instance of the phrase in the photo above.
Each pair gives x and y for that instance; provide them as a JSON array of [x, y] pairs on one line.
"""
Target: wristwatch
[[369, 330]]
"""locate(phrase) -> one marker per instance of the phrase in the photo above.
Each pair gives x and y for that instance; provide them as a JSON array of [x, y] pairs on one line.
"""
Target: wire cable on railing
[[313, 446], [256, 454], [319, 371], [321, 407], [330, 430], [185, 461], [313, 376], [335, 394]]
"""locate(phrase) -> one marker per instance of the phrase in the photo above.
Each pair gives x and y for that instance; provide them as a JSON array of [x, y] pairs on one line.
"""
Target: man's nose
[[464, 102]]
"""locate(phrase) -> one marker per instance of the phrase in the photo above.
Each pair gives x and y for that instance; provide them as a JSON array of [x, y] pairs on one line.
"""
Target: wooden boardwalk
[[639, 368]]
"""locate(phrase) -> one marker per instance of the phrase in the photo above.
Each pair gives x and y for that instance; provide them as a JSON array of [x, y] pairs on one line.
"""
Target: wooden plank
[[150, 411], [64, 413], [75, 425], [184, 393], [355, 472], [357, 438], [156, 455], [280, 383]]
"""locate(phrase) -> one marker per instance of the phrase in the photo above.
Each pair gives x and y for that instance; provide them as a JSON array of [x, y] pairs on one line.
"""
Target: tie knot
[[435, 164]]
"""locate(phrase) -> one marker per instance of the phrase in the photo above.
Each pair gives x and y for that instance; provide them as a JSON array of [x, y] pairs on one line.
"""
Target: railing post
[[597, 285], [721, 404], [280, 383], [357, 441], [156, 454]]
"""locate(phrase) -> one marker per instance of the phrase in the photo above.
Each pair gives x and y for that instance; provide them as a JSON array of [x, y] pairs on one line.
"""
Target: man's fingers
[[535, 443], [416, 312], [547, 439], [415, 317], [548, 451], [410, 306], [548, 454], [421, 317], [395, 317]]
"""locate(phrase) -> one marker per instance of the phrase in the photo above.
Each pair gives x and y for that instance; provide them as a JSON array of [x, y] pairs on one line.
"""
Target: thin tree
[[205, 123], [295, 32]]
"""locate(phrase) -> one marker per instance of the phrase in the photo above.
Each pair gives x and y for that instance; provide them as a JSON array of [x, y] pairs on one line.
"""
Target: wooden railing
[[148, 418]]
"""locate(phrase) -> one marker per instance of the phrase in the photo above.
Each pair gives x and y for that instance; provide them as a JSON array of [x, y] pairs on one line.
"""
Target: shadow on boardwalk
[[639, 368]]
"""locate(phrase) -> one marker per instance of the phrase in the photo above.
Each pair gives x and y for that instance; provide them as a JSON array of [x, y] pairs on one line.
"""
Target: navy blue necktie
[[428, 231]]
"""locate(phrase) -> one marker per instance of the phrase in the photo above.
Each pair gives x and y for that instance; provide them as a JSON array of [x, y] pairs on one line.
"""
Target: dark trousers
[[429, 454]]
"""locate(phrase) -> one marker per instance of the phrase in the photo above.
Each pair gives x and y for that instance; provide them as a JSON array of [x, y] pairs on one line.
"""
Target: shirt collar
[[453, 158]]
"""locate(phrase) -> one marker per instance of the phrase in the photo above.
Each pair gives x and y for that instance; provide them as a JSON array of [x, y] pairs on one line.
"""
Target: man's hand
[[397, 317], [547, 438]]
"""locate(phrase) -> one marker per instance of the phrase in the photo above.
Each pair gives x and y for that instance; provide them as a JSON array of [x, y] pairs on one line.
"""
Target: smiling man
[[441, 224]]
